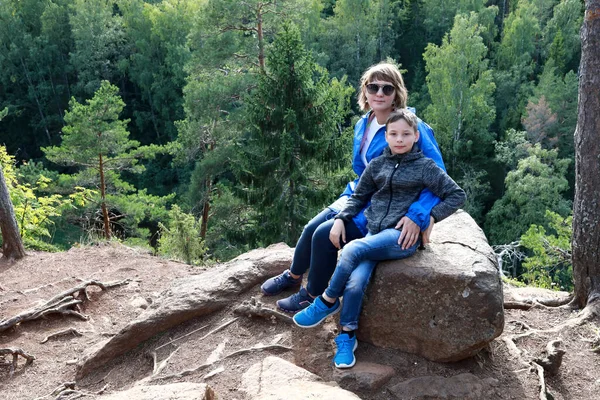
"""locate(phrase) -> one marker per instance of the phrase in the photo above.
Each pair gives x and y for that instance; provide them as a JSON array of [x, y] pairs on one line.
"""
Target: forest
[[200, 129]]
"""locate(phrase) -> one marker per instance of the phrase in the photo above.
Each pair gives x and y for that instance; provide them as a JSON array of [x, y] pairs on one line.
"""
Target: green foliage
[[180, 239], [561, 35], [535, 186], [461, 88], [550, 265], [36, 214], [293, 115], [99, 41], [97, 142]]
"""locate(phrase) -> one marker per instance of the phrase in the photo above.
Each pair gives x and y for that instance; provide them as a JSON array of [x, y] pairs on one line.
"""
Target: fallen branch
[[235, 353], [528, 303], [64, 332], [59, 304], [254, 308], [15, 357]]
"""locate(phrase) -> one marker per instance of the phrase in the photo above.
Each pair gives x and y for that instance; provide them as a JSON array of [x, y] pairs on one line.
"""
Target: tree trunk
[[103, 196], [261, 45], [12, 245], [586, 215]]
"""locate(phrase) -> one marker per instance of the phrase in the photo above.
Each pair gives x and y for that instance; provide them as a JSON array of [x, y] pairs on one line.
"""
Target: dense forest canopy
[[223, 125]]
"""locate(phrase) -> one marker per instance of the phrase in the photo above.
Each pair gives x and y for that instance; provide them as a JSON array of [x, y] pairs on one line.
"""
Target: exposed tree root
[[70, 331], [542, 384], [15, 358], [67, 391], [528, 303], [235, 353], [60, 304], [254, 308]]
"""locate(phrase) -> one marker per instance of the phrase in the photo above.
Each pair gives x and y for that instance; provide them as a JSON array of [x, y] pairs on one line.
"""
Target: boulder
[[444, 303], [191, 297], [274, 378]]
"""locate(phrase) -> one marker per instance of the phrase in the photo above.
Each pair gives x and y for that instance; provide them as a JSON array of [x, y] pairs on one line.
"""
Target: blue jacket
[[419, 211]]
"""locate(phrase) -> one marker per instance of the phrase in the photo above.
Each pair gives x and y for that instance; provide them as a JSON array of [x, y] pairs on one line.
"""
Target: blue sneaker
[[344, 356], [314, 314], [279, 283], [296, 302]]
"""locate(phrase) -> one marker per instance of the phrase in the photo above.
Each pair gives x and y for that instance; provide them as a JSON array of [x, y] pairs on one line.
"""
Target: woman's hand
[[337, 230], [410, 232], [427, 233]]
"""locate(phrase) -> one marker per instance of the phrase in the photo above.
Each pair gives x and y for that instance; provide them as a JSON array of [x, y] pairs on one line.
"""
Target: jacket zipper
[[391, 196]]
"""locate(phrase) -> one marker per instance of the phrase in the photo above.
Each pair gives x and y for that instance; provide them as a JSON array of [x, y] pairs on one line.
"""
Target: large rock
[[276, 379], [444, 303], [191, 297]]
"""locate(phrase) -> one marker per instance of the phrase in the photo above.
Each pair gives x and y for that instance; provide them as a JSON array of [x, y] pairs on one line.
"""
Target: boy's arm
[[361, 196], [419, 211], [445, 188]]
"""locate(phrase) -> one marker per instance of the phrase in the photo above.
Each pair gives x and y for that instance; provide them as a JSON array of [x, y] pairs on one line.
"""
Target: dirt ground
[[40, 276]]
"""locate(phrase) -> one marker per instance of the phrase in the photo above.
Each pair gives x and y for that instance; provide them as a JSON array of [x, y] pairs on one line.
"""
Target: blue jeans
[[314, 250], [355, 267]]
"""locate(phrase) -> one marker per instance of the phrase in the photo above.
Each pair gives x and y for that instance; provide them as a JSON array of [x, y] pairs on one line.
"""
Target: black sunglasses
[[373, 88]]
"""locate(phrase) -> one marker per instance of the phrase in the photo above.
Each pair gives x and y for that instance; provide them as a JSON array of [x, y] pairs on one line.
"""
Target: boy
[[392, 182]]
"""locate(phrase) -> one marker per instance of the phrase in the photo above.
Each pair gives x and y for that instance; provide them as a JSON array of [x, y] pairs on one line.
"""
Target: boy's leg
[[354, 293], [301, 259]]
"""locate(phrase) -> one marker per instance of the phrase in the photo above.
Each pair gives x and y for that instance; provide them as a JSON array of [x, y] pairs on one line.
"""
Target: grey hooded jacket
[[393, 182]]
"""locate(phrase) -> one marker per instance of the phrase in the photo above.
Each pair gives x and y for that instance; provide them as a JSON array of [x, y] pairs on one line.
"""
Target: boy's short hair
[[383, 71], [405, 114]]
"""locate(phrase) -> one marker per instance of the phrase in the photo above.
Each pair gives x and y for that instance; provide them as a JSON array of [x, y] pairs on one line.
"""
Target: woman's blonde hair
[[384, 71]]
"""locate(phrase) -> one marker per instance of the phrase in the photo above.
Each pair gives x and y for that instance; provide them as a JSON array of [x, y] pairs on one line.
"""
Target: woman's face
[[380, 101]]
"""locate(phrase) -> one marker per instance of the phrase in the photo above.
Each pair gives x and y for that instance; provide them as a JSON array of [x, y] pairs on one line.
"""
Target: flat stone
[[460, 387], [179, 391], [275, 379], [364, 376], [444, 303]]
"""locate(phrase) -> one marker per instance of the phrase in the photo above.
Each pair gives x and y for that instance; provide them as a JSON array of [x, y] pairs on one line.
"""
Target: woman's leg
[[324, 256], [301, 259], [322, 264]]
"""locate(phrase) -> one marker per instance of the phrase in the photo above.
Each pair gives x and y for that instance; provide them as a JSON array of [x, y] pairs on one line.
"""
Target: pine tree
[[293, 116], [97, 142]]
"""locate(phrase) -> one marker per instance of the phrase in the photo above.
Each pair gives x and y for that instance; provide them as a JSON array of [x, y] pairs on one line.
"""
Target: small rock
[[364, 376], [139, 302], [460, 387]]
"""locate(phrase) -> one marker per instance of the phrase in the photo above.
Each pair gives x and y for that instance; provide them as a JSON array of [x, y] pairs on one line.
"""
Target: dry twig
[[64, 332], [15, 357], [255, 308], [59, 304]]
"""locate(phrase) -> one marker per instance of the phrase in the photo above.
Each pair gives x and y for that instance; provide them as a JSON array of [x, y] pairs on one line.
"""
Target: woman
[[382, 90]]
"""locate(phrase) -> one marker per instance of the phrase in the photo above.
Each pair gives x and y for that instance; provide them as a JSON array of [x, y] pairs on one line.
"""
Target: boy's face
[[400, 137]]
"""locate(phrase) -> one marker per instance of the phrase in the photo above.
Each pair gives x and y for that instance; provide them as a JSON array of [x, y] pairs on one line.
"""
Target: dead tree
[[586, 219], [12, 245]]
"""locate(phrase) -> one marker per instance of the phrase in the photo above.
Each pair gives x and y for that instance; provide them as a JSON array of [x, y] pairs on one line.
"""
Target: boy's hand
[[410, 232], [427, 233], [337, 230]]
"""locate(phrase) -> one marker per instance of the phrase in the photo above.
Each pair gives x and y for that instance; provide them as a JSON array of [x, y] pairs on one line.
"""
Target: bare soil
[[41, 276]]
